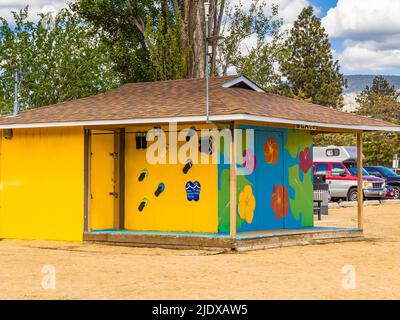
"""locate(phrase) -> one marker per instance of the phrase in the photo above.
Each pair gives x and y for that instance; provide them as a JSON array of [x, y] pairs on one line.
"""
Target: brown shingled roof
[[186, 98]]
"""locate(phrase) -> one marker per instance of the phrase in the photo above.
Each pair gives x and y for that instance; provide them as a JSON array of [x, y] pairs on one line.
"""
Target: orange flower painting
[[271, 151], [280, 201]]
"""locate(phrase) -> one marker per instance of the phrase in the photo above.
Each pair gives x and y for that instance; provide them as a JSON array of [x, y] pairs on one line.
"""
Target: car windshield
[[353, 170], [387, 172]]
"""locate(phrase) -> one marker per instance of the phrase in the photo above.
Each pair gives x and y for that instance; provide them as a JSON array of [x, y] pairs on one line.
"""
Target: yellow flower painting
[[247, 204]]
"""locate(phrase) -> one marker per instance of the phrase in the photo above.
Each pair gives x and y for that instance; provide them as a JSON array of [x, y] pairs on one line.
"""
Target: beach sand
[[87, 271]]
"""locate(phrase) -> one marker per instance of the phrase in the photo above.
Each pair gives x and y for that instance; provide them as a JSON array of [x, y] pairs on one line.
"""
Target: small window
[[321, 169], [337, 166], [338, 170], [332, 152]]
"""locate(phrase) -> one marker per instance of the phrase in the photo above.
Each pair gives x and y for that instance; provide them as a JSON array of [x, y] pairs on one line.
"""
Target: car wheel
[[396, 193], [352, 195]]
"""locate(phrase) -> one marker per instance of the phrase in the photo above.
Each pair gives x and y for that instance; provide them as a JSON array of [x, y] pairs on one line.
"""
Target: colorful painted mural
[[274, 187], [179, 197], [277, 191]]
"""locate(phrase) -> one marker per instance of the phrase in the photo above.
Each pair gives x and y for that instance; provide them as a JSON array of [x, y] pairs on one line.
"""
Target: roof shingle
[[185, 98]]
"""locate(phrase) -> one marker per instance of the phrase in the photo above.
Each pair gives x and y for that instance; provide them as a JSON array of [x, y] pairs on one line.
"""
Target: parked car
[[339, 165], [391, 178], [390, 193]]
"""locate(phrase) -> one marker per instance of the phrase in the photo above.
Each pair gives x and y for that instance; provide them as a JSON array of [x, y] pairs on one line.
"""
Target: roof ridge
[[183, 79]]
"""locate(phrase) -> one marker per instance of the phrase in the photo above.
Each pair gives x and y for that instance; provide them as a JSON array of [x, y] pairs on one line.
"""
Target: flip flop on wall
[[193, 190], [188, 166], [143, 174], [160, 189], [143, 204]]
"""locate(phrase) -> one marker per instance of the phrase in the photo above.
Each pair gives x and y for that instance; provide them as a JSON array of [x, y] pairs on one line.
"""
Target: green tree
[[311, 72], [121, 25], [253, 43], [59, 57], [154, 39], [168, 54], [380, 101], [165, 39]]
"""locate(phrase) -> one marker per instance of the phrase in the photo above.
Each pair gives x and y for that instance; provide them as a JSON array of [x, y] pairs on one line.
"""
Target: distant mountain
[[357, 83]]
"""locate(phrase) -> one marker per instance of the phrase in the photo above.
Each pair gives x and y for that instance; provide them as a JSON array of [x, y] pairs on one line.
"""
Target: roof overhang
[[316, 126]]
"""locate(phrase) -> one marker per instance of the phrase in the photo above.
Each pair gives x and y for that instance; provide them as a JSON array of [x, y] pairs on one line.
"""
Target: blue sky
[[365, 34], [324, 6]]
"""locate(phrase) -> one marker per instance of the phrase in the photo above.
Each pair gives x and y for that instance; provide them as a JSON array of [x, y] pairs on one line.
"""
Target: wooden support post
[[360, 204], [116, 179], [121, 180], [232, 183], [86, 172]]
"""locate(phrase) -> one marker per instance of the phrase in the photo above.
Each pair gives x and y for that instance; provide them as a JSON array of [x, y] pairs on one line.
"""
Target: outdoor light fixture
[[8, 134], [206, 145], [207, 9], [157, 131], [190, 134], [141, 142]]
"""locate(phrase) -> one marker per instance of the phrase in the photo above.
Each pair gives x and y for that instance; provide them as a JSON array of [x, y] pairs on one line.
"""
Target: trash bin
[[321, 194]]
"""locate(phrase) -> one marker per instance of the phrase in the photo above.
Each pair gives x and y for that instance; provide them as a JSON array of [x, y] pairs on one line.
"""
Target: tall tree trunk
[[217, 13], [194, 37]]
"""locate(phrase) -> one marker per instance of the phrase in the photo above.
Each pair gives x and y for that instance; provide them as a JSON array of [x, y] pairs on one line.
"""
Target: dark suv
[[392, 179]]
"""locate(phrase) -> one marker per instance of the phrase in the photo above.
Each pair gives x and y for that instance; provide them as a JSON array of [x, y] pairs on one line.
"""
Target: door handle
[[114, 194]]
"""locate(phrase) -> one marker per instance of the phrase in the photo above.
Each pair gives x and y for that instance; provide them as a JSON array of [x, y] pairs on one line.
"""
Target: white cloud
[[370, 31], [361, 57], [289, 10], [35, 7], [363, 18]]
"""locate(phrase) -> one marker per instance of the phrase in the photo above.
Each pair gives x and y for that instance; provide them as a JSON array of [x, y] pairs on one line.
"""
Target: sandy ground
[[307, 272]]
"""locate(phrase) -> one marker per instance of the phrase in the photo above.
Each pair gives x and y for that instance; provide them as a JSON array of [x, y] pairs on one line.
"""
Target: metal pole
[[207, 13], [360, 204]]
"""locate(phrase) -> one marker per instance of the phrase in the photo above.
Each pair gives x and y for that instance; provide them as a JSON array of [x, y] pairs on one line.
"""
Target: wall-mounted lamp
[[141, 141], [8, 134], [157, 132], [190, 133]]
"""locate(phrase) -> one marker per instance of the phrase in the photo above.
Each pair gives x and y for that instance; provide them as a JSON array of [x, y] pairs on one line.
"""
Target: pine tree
[[380, 101], [311, 72]]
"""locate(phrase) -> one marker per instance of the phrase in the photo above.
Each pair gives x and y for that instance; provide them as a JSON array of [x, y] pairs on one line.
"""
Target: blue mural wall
[[276, 192]]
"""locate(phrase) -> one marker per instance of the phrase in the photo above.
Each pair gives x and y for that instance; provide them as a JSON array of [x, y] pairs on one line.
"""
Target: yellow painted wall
[[101, 180], [171, 211], [42, 184]]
